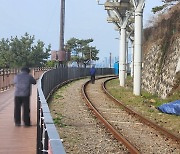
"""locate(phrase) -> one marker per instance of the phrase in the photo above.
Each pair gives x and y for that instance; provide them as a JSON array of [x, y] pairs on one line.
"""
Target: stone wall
[[159, 76]]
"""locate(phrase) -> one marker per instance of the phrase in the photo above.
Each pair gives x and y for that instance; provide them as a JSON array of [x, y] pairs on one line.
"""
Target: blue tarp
[[116, 68], [171, 108]]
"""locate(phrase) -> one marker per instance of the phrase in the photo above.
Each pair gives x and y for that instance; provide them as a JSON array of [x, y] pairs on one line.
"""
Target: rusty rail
[[140, 117], [114, 132]]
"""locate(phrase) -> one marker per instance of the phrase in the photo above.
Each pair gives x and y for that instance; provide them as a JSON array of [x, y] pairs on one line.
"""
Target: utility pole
[[138, 47], [110, 59], [61, 43], [122, 57], [90, 56]]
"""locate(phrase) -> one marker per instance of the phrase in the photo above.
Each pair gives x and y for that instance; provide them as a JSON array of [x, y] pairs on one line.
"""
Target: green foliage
[[81, 52], [18, 52], [158, 8], [166, 5], [51, 63], [126, 96], [5, 54], [58, 120]]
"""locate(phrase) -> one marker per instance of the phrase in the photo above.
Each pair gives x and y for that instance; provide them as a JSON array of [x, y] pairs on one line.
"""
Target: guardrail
[[48, 140], [7, 76]]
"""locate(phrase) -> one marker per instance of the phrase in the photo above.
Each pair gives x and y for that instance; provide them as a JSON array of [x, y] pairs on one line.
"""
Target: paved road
[[16, 140]]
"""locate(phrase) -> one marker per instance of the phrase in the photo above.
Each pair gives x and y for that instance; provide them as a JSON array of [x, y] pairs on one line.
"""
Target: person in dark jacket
[[93, 73], [23, 82]]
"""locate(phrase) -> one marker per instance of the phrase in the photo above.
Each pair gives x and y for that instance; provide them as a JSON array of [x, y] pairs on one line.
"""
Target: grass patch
[[57, 96], [146, 104], [58, 120], [125, 94]]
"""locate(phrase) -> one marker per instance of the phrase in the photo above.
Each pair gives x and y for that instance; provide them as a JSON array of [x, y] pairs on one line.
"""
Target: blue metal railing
[[48, 140]]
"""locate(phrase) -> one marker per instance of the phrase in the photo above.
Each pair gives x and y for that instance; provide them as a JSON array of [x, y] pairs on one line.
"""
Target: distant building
[[59, 55], [54, 55]]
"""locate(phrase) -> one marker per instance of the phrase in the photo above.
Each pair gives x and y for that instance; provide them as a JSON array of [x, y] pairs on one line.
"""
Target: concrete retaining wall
[[160, 76]]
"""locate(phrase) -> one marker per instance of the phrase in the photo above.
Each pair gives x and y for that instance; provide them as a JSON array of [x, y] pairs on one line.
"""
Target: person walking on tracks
[[93, 73], [23, 82]]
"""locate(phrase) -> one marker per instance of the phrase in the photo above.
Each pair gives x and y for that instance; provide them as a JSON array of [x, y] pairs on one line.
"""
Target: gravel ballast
[[78, 128], [81, 132]]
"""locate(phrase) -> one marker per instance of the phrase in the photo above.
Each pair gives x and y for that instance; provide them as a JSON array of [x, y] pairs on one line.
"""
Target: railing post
[[46, 139], [38, 150]]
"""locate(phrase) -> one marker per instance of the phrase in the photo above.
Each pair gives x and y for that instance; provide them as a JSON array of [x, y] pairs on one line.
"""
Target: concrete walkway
[[16, 140]]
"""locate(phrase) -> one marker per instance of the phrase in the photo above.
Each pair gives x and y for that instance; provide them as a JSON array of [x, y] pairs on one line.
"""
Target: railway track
[[137, 134]]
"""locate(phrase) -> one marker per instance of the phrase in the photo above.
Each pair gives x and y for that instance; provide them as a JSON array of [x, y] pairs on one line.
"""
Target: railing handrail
[[54, 143], [7, 75], [48, 140]]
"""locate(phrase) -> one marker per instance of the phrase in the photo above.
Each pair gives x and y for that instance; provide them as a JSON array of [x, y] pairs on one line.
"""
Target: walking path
[[16, 140]]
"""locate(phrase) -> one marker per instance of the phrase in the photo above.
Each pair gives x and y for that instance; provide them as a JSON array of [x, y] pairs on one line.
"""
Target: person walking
[[23, 82], [93, 73]]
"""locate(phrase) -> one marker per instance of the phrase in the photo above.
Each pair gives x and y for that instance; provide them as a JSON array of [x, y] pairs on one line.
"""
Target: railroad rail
[[143, 119], [131, 123], [116, 134]]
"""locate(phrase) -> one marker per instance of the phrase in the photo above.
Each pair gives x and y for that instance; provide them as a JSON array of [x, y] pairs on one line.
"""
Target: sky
[[84, 19]]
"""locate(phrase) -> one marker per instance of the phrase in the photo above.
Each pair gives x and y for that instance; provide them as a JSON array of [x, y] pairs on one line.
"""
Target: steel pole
[[132, 58], [126, 73], [122, 57], [137, 53], [110, 60]]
